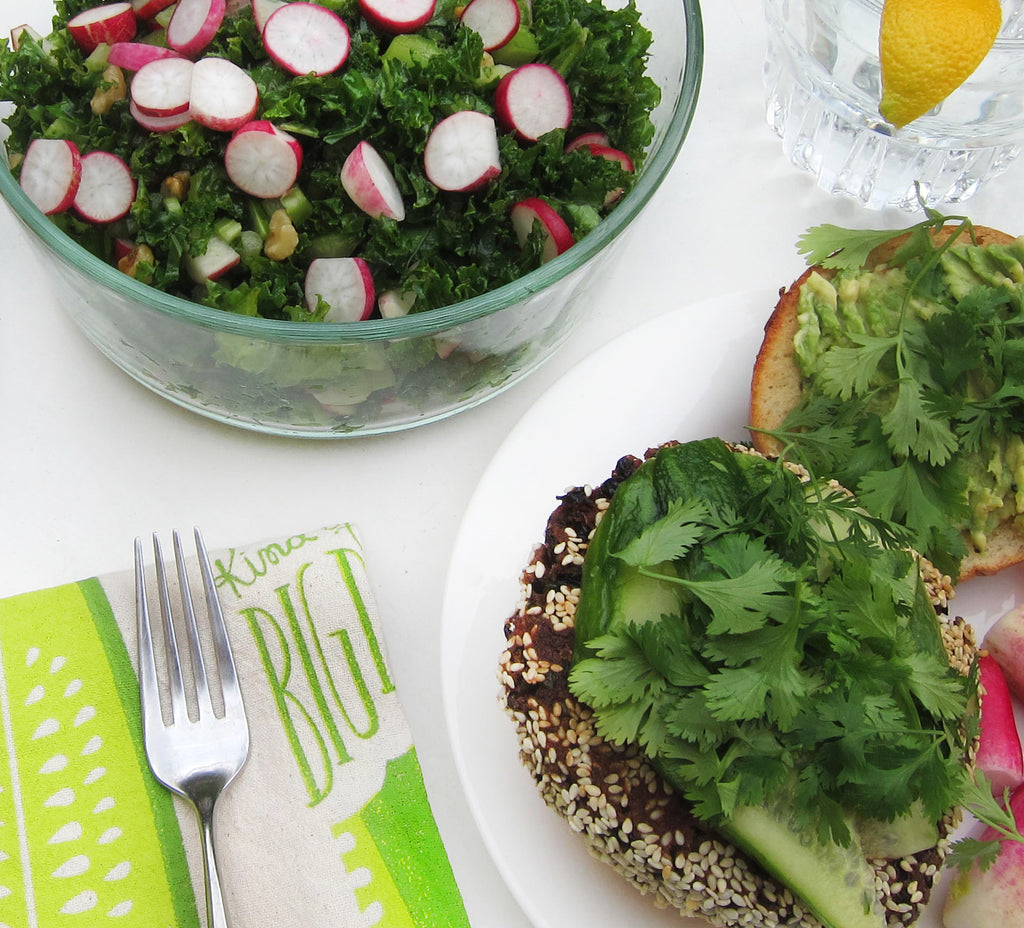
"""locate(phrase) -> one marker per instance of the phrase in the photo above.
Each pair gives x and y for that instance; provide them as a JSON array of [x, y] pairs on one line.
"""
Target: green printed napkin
[[327, 825]]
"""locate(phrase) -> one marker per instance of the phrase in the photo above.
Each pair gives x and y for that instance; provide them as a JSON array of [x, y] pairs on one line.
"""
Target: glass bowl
[[337, 380]]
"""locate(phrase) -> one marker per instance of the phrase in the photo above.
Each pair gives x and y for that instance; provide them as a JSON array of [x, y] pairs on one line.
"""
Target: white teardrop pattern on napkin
[[75, 811]]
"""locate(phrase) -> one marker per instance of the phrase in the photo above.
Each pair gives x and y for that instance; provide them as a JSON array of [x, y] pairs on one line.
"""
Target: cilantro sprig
[[982, 852], [758, 637]]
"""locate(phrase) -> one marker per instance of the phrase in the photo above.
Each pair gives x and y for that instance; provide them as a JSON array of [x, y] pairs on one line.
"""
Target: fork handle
[[216, 916]]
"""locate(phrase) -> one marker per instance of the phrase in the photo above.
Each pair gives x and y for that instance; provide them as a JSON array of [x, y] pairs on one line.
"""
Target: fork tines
[[230, 693]]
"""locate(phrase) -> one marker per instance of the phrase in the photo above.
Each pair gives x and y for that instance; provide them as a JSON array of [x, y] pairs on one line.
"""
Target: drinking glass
[[823, 83]]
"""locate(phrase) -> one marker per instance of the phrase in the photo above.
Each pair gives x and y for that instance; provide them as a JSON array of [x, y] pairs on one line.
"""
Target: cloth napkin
[[326, 826]]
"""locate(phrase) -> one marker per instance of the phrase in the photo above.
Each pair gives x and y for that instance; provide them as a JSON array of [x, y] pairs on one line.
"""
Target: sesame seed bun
[[626, 814], [777, 386]]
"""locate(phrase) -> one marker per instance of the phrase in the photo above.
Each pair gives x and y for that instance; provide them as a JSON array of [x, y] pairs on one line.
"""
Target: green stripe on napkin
[[421, 891], [79, 830]]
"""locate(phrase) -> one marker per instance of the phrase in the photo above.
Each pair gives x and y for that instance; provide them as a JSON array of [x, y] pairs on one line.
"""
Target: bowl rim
[[426, 323]]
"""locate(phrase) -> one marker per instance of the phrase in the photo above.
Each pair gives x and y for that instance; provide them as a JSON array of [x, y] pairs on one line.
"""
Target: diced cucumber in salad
[[334, 160]]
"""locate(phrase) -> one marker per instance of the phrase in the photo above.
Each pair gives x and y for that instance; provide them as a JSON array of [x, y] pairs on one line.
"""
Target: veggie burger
[[733, 674], [742, 691]]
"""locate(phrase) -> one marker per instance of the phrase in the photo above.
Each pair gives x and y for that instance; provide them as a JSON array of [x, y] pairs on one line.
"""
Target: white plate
[[686, 375]]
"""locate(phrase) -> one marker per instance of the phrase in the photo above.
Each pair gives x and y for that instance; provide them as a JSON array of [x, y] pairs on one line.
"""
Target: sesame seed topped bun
[[611, 795]]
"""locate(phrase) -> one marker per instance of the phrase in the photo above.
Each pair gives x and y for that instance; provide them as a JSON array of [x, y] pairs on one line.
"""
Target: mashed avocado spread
[[914, 387]]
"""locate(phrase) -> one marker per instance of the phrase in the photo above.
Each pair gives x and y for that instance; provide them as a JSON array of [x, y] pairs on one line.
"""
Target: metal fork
[[194, 757]]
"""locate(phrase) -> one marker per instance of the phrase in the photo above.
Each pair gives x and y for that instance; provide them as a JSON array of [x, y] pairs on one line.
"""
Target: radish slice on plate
[[397, 16], [133, 55], [110, 23], [495, 21], [532, 212], [224, 97], [461, 153], [158, 123], [107, 188], [532, 100], [304, 38], [393, 304], [369, 182], [193, 25], [344, 284], [50, 174], [263, 160], [261, 10], [163, 87]]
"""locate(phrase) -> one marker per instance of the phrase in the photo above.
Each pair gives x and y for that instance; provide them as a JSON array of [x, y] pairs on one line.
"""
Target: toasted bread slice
[[612, 796], [777, 385]]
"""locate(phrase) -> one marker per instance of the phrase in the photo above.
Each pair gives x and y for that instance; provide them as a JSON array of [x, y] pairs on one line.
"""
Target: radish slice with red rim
[[462, 153], [109, 23], [133, 55], [106, 190], [586, 139], [344, 284], [147, 9], [193, 25], [397, 16], [368, 180], [533, 213], [263, 160], [262, 9], [533, 100], [50, 174], [163, 87], [158, 123], [224, 97], [305, 38], [495, 21]]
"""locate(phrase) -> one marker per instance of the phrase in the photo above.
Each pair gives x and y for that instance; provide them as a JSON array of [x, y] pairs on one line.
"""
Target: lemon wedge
[[928, 48]]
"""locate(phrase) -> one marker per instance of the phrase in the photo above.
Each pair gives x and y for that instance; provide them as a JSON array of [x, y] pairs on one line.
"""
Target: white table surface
[[89, 459]]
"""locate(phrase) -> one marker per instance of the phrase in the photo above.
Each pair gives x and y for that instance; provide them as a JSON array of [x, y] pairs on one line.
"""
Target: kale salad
[[389, 93]]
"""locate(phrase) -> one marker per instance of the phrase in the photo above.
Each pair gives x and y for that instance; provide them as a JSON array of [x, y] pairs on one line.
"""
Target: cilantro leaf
[[671, 536], [831, 246]]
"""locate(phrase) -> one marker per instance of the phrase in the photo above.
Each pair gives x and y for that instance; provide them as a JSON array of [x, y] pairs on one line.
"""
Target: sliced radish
[[110, 23], [1005, 642], [24, 30], [532, 100], [304, 38], [461, 153], [586, 139], [989, 897], [397, 16], [159, 123], [50, 174], [344, 284], [106, 190], [194, 24], [612, 154], [368, 180], [532, 212], [218, 258], [133, 55], [261, 10], [495, 21], [163, 87], [147, 9], [224, 97], [263, 160], [395, 303], [999, 754]]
